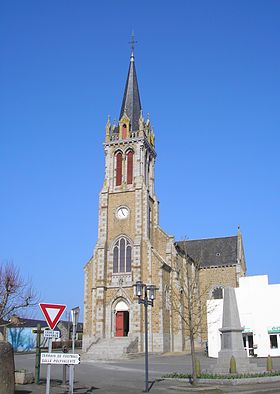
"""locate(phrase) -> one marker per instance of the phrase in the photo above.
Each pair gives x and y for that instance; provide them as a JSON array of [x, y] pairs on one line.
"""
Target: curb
[[231, 382]]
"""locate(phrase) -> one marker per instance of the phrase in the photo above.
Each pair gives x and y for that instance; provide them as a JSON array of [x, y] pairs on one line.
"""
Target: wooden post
[[38, 353], [65, 350]]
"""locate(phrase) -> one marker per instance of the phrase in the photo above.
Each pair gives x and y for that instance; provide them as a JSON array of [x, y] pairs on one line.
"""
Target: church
[[132, 247]]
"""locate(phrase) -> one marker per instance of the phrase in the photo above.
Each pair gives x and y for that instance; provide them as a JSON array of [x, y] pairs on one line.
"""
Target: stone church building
[[132, 247]]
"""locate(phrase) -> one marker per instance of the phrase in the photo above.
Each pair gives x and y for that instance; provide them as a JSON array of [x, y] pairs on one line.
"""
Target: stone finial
[[238, 230], [152, 138], [108, 129], [141, 121], [148, 119]]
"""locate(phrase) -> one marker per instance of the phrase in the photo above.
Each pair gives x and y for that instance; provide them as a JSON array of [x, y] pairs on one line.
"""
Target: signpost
[[51, 334], [38, 331], [52, 314], [75, 317], [60, 358]]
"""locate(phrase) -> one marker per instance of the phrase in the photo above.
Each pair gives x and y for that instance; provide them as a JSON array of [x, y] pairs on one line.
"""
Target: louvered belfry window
[[118, 169], [124, 132], [129, 167], [122, 256]]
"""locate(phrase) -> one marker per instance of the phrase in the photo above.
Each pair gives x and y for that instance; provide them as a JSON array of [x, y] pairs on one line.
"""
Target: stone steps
[[112, 349]]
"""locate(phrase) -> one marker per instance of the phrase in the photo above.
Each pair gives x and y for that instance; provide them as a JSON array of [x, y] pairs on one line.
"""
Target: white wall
[[259, 309]]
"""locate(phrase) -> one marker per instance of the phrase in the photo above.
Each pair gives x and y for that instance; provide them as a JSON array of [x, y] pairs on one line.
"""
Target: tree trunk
[[194, 378], [190, 317]]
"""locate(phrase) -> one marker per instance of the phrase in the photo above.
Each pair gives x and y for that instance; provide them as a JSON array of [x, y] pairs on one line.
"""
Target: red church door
[[122, 323], [119, 324]]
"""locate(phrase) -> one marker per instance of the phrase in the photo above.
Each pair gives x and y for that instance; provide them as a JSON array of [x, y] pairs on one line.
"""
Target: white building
[[259, 310]]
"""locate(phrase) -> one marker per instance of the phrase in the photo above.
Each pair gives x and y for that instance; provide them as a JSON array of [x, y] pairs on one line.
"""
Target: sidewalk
[[56, 388]]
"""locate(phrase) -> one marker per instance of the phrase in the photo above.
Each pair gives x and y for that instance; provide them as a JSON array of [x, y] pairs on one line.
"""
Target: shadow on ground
[[23, 392], [88, 390]]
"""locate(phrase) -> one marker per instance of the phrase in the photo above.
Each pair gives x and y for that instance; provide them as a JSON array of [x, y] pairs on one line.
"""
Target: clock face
[[122, 213]]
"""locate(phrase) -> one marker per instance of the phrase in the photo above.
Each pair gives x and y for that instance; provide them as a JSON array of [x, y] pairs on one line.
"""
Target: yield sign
[[52, 313]]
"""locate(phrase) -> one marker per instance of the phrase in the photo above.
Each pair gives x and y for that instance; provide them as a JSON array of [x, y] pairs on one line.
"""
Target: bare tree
[[16, 294], [188, 301]]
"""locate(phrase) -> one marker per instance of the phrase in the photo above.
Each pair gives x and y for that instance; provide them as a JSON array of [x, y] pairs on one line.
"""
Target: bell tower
[[130, 246], [130, 144]]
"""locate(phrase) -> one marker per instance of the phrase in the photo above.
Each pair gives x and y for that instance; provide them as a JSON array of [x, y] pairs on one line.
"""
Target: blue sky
[[208, 73]]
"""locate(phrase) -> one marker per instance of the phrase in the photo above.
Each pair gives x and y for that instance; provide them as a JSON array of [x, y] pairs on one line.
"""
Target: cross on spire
[[132, 42]]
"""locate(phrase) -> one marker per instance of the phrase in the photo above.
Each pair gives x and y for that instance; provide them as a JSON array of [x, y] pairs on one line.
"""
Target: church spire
[[131, 104]]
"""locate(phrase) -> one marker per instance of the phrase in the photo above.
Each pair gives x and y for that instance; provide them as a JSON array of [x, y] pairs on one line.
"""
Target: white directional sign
[[51, 334], [60, 358]]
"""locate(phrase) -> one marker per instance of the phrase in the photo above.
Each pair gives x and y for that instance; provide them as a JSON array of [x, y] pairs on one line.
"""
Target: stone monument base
[[243, 364], [232, 341]]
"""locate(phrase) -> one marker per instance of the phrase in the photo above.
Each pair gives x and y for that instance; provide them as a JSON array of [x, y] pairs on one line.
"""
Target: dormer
[[124, 127]]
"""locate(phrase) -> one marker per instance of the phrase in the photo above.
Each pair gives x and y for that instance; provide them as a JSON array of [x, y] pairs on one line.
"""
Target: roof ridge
[[205, 239]]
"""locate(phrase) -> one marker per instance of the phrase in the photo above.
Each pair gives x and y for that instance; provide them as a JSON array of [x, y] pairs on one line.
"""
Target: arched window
[[118, 169], [122, 256], [217, 293], [124, 131], [129, 176]]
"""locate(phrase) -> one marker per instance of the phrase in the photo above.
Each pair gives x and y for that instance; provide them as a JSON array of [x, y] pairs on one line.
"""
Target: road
[[127, 376]]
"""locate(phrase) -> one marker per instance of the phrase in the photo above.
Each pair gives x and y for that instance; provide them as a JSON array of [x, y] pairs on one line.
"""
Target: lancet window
[[118, 169], [129, 175], [122, 256]]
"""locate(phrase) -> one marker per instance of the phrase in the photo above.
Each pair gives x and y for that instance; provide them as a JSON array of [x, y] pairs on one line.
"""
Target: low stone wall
[[24, 377]]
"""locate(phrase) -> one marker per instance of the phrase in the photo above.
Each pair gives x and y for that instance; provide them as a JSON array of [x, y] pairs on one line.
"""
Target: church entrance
[[122, 324], [121, 319]]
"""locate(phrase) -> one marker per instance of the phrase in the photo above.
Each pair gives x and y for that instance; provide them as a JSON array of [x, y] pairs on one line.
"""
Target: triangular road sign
[[52, 313]]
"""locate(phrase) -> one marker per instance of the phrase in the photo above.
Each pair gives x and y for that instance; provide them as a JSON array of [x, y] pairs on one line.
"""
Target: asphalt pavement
[[127, 376]]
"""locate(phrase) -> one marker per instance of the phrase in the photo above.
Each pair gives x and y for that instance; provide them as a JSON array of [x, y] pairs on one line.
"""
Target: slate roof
[[211, 252], [131, 103], [23, 322], [66, 323]]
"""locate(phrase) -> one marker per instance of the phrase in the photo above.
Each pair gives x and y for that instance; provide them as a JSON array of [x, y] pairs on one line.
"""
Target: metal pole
[[146, 343], [70, 380], [64, 375], [73, 338], [49, 368], [71, 367]]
